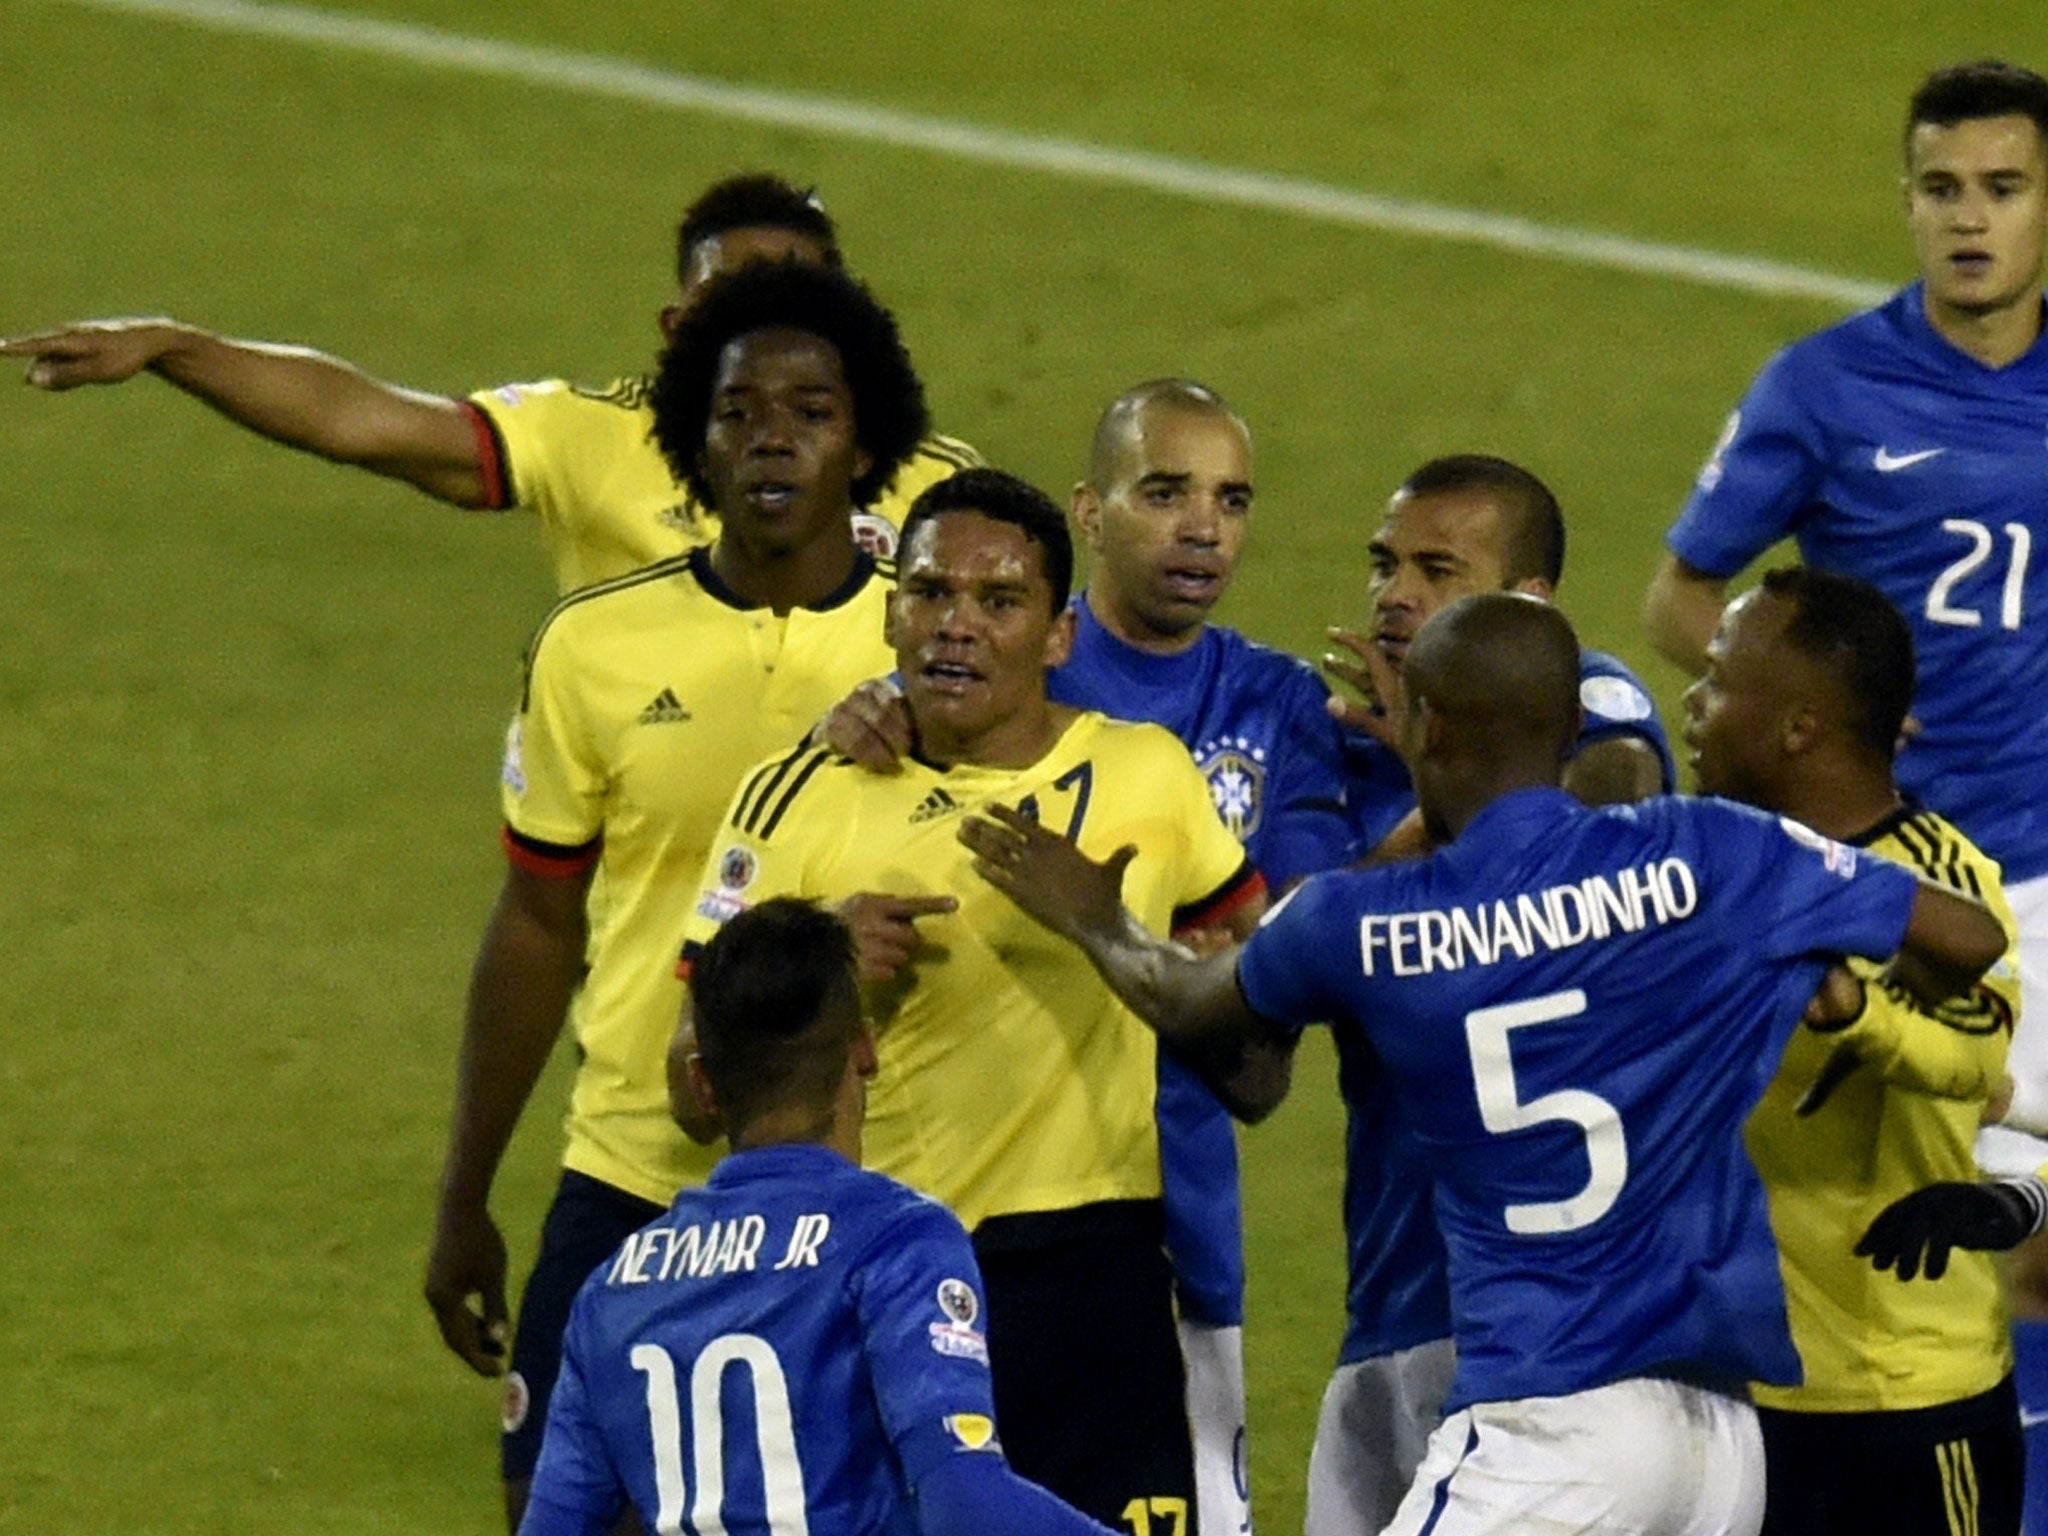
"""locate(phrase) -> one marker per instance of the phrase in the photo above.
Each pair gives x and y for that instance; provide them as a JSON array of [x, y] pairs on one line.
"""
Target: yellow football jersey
[[647, 699], [1906, 1116], [586, 462], [1011, 1079]]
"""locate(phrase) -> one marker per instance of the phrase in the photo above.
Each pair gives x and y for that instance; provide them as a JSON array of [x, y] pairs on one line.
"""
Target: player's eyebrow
[[1173, 477]]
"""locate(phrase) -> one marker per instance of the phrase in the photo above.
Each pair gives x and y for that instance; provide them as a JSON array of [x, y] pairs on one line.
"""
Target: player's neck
[[1115, 616], [1842, 801], [1016, 742], [781, 579], [1994, 337]]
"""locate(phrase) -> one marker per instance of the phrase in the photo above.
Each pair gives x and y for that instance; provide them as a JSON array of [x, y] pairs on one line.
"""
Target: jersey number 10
[[782, 1476]]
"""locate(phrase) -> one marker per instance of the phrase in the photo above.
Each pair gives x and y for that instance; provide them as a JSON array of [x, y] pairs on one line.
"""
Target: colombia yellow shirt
[[1011, 1079], [646, 700], [1906, 1116], [585, 461]]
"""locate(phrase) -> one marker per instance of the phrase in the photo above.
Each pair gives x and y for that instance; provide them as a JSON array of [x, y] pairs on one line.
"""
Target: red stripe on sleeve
[[1244, 886], [548, 860], [490, 462]]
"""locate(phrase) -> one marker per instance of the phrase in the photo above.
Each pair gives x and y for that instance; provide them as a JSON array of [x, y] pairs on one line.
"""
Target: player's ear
[[863, 461], [1798, 729], [1086, 505], [1536, 587], [865, 1062], [1059, 640], [670, 319]]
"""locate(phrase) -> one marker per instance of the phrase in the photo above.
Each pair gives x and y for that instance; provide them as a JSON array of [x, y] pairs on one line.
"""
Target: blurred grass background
[[250, 704]]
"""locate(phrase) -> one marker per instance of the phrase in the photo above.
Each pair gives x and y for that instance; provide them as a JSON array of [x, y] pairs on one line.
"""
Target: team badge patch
[[513, 772], [957, 1301], [1614, 698], [875, 534], [518, 1403], [1717, 461], [974, 1431], [737, 867], [1836, 858], [1236, 771], [958, 1342]]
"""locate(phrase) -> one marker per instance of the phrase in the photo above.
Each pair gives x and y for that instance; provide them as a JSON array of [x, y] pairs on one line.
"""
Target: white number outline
[[2012, 592], [782, 1475], [1502, 1110]]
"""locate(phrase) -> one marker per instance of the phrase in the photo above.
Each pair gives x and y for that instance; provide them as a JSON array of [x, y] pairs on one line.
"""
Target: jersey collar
[[707, 578]]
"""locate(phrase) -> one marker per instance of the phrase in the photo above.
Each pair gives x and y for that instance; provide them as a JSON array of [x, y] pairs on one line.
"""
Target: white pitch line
[[591, 75]]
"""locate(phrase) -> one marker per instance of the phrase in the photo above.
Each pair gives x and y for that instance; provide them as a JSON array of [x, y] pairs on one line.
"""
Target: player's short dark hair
[[889, 416], [1535, 532], [1003, 498], [1851, 630], [1963, 93], [776, 1002], [1114, 426], [754, 200]]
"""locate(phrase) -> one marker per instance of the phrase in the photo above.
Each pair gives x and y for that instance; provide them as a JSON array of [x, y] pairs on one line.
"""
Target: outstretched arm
[[1915, 1232], [292, 395], [1193, 1003], [1951, 940], [1680, 610], [527, 966]]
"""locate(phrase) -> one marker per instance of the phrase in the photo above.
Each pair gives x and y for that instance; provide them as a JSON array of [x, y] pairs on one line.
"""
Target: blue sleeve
[[576, 1489], [919, 1299], [1813, 895], [1284, 968], [1306, 830], [1613, 702], [981, 1496], [1763, 476]]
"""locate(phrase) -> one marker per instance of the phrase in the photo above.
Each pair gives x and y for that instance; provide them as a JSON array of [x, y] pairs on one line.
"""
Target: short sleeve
[[1215, 875], [1763, 475], [554, 783], [1305, 830], [923, 1318], [1812, 895], [1286, 968], [746, 867]]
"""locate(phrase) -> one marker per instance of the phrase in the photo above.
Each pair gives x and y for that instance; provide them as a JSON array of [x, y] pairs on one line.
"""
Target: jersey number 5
[[1501, 1110], [774, 1433]]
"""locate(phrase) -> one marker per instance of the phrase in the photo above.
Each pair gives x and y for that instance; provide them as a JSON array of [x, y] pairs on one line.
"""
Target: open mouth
[[1194, 584], [771, 495], [1970, 263], [949, 677]]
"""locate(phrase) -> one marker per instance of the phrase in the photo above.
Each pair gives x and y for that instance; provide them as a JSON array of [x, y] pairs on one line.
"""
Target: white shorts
[[1214, 1359], [2007, 1149], [1642, 1457], [1375, 1424]]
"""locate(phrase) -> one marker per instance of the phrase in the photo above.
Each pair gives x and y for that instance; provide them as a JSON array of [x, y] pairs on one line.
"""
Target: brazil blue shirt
[[1891, 455], [796, 1335], [1575, 1011], [1255, 720], [1397, 1295]]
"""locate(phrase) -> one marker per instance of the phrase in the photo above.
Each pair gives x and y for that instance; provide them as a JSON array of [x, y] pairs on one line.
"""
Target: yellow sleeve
[[1217, 874], [1956, 1051], [744, 868], [554, 783]]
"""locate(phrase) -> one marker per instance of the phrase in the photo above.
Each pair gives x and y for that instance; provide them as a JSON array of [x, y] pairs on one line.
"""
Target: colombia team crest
[[1236, 771]]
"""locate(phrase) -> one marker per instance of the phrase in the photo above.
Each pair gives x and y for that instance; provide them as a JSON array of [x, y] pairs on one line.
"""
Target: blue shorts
[[585, 1225]]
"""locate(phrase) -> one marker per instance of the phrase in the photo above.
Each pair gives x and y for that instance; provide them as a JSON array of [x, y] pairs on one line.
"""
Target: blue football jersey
[[795, 1341], [1255, 720], [1892, 456], [1575, 1010], [1397, 1294]]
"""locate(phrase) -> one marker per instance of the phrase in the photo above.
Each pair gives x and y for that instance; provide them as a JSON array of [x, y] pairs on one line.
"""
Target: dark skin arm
[[527, 967], [1192, 1002], [292, 395]]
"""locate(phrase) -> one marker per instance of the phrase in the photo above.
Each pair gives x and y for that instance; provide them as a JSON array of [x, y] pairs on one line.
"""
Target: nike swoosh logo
[[2029, 1418], [1888, 463]]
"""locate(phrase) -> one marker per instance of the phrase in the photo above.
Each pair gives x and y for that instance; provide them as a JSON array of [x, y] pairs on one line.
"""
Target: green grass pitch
[[252, 703]]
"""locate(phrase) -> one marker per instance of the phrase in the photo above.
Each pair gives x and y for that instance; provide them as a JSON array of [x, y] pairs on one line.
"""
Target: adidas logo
[[934, 805], [666, 709]]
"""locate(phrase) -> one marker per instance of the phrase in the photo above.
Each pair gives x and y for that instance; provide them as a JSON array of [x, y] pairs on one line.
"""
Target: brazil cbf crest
[[1236, 771]]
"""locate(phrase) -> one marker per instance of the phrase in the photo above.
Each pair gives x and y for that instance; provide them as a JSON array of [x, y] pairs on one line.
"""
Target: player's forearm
[[1951, 941], [1911, 1048], [526, 971], [979, 1495], [1680, 611], [309, 400]]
